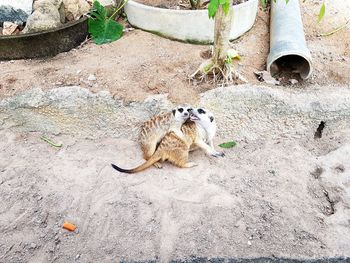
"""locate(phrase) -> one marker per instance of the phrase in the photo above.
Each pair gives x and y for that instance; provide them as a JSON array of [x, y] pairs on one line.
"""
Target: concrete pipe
[[288, 50]]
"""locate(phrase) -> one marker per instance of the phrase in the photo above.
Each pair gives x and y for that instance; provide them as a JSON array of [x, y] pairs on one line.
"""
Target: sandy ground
[[273, 198], [268, 197]]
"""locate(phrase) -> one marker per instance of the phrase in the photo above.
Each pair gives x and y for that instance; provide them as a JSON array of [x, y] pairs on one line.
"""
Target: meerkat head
[[182, 113], [203, 117]]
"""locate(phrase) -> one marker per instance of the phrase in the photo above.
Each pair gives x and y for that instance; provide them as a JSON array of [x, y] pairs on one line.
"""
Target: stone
[[74, 9], [9, 28], [47, 15], [293, 81], [57, 3], [10, 14], [107, 2], [24, 5], [32, 245], [92, 78]]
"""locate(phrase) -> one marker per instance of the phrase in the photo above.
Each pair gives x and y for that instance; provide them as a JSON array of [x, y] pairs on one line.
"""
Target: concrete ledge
[[242, 112], [188, 25]]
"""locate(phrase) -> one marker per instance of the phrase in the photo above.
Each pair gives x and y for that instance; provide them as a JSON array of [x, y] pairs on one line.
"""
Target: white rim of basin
[[188, 25]]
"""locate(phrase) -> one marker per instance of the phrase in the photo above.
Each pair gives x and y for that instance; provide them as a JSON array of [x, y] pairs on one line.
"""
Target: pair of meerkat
[[172, 135]]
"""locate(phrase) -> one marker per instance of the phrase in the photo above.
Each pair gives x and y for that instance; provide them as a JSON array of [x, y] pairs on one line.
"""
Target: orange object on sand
[[69, 226]]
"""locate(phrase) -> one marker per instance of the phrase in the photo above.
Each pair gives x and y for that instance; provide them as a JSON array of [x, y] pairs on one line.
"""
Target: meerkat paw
[[217, 154], [190, 164], [158, 165]]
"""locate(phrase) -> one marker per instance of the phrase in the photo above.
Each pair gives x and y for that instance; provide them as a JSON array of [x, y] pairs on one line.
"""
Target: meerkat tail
[[154, 158]]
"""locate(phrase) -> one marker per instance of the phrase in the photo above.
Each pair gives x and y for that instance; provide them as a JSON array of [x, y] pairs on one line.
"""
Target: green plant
[[227, 145], [214, 6], [104, 29], [220, 66], [322, 12]]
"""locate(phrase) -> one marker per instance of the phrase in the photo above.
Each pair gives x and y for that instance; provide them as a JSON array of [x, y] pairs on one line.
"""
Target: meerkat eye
[[189, 109], [201, 111], [180, 110]]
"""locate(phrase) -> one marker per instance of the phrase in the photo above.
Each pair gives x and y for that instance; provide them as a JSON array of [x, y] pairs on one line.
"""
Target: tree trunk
[[222, 35]]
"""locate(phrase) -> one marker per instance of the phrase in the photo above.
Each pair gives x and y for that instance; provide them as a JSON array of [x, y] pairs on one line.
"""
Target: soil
[[140, 63], [269, 197]]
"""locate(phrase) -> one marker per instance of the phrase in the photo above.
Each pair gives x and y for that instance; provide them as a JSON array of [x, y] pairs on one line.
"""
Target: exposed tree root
[[224, 75]]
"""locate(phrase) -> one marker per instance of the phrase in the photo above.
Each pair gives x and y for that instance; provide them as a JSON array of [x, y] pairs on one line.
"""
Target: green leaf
[[322, 12], [98, 8], [213, 8], [264, 3], [287, 1], [227, 145], [103, 29], [226, 7], [233, 54]]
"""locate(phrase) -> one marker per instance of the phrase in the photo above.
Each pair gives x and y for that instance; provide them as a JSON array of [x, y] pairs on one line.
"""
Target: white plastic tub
[[188, 25]]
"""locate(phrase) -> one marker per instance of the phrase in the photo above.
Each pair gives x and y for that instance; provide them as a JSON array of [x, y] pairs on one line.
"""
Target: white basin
[[188, 25]]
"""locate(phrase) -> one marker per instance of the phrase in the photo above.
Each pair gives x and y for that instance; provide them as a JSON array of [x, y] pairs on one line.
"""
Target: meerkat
[[176, 144], [153, 130], [206, 129]]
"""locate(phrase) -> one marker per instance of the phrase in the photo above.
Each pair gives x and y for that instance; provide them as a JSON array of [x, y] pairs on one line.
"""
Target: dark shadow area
[[290, 66], [318, 133]]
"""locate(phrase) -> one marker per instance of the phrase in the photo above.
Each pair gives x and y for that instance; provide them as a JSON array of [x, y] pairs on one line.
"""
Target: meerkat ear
[[211, 118], [174, 111]]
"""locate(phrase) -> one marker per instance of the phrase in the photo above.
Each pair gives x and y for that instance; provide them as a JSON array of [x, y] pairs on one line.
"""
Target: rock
[[47, 15], [24, 5], [32, 245], [92, 78], [107, 2], [10, 14], [293, 81], [57, 3], [9, 28], [74, 9]]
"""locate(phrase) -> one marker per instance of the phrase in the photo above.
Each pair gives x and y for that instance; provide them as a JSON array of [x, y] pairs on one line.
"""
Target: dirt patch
[[271, 196], [258, 201], [141, 63]]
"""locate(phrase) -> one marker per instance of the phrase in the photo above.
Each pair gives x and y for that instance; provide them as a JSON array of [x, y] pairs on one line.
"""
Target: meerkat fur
[[206, 129], [153, 130], [176, 144], [172, 148]]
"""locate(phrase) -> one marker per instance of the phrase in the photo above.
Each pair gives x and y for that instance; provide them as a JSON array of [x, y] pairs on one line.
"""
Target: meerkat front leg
[[209, 149]]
